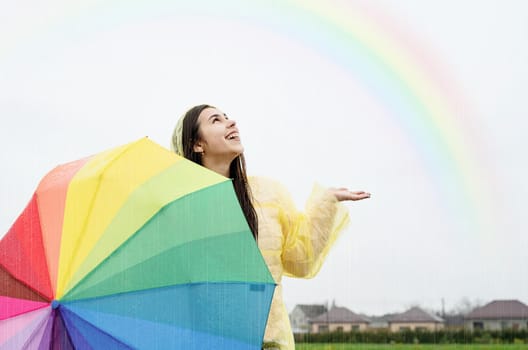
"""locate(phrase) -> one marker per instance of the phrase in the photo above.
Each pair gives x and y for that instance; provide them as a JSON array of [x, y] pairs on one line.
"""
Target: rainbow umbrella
[[133, 248]]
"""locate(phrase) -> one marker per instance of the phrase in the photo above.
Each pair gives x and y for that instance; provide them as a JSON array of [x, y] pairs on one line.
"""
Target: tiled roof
[[500, 309], [311, 311], [340, 315], [384, 318], [415, 314]]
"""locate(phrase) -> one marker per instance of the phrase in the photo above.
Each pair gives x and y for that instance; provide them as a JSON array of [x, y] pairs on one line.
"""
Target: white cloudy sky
[[76, 79]]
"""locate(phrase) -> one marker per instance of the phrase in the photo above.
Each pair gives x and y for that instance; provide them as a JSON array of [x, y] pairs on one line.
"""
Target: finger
[[362, 196]]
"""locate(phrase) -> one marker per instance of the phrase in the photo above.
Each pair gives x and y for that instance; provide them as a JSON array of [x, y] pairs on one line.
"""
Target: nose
[[231, 123]]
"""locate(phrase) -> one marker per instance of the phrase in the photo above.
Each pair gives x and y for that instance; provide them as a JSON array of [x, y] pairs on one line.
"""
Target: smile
[[233, 136]]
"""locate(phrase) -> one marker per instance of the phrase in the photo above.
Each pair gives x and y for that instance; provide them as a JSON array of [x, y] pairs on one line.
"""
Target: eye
[[215, 119]]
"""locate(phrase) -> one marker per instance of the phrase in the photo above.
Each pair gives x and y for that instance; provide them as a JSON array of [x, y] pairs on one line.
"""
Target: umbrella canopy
[[133, 248]]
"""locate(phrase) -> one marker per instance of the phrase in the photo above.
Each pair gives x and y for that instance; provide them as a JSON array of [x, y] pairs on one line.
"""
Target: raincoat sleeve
[[309, 235]]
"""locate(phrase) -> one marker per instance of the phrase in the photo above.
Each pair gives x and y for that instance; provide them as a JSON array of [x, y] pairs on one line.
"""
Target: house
[[415, 319], [454, 322], [301, 316], [339, 319], [498, 315], [379, 322]]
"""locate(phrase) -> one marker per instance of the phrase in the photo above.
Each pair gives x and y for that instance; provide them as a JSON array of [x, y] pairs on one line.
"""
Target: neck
[[219, 166]]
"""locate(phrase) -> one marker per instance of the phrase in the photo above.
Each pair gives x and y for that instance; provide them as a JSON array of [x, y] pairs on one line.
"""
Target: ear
[[198, 148]]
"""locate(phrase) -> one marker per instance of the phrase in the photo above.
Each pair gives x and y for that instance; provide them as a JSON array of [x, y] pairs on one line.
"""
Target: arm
[[309, 236]]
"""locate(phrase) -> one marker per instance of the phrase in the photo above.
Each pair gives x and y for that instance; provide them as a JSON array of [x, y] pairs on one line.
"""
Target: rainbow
[[388, 63]]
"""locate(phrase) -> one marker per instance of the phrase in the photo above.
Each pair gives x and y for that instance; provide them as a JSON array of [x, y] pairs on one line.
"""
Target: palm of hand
[[343, 194]]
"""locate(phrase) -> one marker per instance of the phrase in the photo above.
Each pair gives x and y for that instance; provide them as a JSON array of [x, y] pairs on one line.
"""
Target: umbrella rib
[[44, 298], [35, 332], [99, 306], [61, 319], [90, 210], [69, 288], [48, 278], [52, 339], [26, 311], [98, 329], [55, 336], [139, 291], [122, 246]]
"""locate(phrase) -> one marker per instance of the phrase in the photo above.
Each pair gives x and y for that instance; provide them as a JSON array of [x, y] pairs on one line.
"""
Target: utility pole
[[327, 317]]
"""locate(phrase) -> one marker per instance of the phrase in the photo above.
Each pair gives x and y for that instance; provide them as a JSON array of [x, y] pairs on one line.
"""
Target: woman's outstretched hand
[[343, 194]]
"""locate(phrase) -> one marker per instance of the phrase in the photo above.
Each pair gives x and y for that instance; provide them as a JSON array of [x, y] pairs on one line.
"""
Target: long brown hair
[[190, 134]]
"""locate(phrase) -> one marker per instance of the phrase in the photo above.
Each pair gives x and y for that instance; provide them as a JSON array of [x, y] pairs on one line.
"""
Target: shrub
[[445, 336]]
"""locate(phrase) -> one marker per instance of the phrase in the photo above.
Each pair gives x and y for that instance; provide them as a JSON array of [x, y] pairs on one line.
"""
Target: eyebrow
[[216, 115]]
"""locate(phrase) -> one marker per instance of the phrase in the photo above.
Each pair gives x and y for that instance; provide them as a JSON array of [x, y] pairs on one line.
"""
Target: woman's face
[[219, 136]]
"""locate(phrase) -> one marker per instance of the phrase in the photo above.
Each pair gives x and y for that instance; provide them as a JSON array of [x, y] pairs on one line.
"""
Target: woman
[[292, 243]]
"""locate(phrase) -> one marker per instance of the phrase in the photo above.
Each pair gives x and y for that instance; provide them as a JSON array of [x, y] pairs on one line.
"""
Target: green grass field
[[336, 346]]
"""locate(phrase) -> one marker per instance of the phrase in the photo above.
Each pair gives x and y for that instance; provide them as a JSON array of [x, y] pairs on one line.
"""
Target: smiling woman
[[293, 243], [205, 136]]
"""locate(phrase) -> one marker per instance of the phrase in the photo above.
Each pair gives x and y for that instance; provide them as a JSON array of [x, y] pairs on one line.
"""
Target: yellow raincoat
[[293, 243]]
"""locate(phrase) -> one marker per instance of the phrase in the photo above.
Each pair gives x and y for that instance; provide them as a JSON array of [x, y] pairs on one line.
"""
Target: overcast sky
[[77, 79]]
